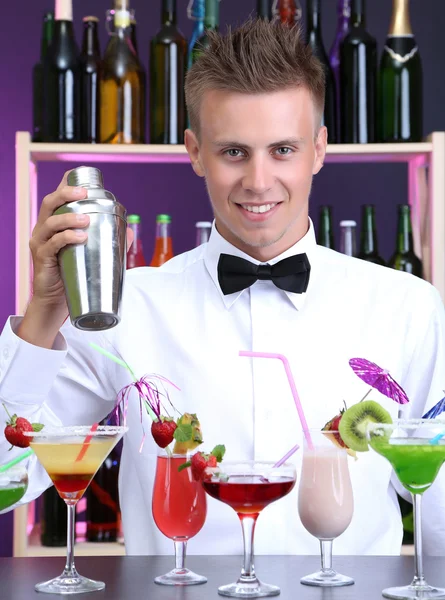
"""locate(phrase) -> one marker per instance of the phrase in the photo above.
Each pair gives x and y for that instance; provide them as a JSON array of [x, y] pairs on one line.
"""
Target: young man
[[255, 100]]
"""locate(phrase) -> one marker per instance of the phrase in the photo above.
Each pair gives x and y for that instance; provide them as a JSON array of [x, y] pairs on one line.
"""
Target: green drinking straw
[[16, 460], [122, 363]]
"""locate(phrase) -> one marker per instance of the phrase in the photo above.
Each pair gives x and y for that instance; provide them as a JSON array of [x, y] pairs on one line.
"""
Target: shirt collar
[[218, 245]]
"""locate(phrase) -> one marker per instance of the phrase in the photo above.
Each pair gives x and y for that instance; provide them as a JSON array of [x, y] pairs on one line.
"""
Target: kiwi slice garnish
[[354, 421]]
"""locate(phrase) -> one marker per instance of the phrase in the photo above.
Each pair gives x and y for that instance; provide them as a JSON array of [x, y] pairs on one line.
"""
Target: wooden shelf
[[147, 153]]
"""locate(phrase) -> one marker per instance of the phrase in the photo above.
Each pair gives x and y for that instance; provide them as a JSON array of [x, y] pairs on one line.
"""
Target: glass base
[[327, 578], [180, 577], [414, 592], [244, 588], [65, 585]]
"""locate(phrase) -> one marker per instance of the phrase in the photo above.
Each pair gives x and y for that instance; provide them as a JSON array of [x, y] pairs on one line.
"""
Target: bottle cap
[[90, 19], [203, 224], [348, 224], [163, 219], [133, 219]]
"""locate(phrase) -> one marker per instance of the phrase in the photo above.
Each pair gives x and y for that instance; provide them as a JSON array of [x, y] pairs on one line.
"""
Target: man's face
[[258, 154]]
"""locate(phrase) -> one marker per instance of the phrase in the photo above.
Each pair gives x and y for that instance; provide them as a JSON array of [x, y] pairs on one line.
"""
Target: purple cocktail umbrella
[[379, 379]]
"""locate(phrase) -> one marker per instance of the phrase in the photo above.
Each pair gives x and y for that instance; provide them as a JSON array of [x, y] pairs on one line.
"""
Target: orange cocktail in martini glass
[[71, 456]]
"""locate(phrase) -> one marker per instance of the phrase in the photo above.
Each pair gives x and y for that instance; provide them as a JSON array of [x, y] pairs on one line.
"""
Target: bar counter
[[129, 577]]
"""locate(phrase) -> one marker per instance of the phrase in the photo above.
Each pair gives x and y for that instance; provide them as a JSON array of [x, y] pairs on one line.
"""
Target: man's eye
[[284, 151], [234, 153]]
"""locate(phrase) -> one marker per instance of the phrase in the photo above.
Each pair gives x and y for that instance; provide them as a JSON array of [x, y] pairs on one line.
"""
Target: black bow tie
[[290, 274]]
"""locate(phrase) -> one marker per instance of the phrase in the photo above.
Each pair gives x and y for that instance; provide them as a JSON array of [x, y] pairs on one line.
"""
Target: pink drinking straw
[[294, 393]]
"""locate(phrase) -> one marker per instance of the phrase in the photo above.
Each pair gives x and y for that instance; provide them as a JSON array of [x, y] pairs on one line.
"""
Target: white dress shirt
[[176, 322]]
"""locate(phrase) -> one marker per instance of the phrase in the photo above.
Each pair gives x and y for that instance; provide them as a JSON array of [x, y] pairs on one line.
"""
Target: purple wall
[[174, 189]]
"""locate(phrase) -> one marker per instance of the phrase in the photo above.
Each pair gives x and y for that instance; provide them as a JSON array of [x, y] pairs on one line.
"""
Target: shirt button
[[6, 353]]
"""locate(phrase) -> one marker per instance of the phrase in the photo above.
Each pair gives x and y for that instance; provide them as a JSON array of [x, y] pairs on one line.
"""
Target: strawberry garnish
[[335, 437], [163, 431], [15, 428], [202, 462]]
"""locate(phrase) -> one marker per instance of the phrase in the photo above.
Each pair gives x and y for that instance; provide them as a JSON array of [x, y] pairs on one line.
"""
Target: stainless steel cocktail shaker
[[93, 273]]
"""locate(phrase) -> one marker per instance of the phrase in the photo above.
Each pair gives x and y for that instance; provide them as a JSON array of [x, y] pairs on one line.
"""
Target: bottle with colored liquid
[[135, 256], [203, 230], [315, 42], [369, 250], [90, 73], [168, 57], [211, 23], [37, 76], [163, 243], [287, 11], [325, 235], [404, 258], [195, 14], [401, 82]]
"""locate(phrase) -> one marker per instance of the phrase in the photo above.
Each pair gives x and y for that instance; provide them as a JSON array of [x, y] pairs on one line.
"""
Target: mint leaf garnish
[[183, 433], [219, 452], [185, 465], [37, 427]]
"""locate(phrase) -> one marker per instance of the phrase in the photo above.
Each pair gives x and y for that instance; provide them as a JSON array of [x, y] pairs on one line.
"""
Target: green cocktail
[[415, 461], [416, 452], [13, 485]]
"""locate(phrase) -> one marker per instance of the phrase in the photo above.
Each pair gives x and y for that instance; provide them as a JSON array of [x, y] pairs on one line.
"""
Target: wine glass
[[71, 456], [416, 450], [325, 501], [179, 508], [13, 485], [248, 487]]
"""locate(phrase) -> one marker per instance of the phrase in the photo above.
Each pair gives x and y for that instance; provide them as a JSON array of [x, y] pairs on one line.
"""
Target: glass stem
[[70, 569], [248, 526], [419, 579], [326, 556], [180, 552]]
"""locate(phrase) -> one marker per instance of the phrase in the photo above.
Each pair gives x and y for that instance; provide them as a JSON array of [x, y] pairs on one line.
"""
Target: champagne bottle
[[348, 238], [168, 57], [368, 239], [122, 90], [264, 9], [61, 85], [325, 229], [404, 258], [358, 76], [288, 11], [343, 24], [315, 41], [400, 89], [37, 77], [211, 22], [90, 72], [196, 14]]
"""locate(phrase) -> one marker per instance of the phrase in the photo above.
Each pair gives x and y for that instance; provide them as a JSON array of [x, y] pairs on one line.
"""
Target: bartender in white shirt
[[255, 100]]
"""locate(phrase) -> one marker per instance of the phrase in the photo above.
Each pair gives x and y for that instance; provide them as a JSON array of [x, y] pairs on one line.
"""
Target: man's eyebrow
[[238, 144]]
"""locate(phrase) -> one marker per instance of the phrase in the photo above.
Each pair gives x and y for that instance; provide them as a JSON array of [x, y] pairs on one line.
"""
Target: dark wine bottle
[[133, 33], [61, 84], [358, 79], [400, 89], [315, 41], [325, 235], [168, 60], [369, 250], [37, 77], [343, 24], [90, 73], [404, 258], [53, 522], [264, 9], [211, 22]]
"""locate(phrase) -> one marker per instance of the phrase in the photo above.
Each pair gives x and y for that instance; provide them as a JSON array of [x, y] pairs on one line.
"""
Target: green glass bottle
[[404, 258], [168, 60], [400, 81], [369, 250], [37, 76], [325, 235], [211, 22]]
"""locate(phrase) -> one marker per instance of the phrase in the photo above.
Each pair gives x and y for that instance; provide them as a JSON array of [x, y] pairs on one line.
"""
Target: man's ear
[[192, 145], [320, 149]]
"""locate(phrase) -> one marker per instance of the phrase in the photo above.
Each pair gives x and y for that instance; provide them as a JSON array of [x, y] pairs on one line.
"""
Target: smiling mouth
[[259, 208]]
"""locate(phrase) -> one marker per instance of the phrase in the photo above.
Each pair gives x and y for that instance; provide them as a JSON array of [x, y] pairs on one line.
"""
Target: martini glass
[[179, 508], [325, 501], [13, 485], [248, 487], [71, 456], [416, 457]]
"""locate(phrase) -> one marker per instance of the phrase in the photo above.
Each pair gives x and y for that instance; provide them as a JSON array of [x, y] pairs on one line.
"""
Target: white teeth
[[259, 209]]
